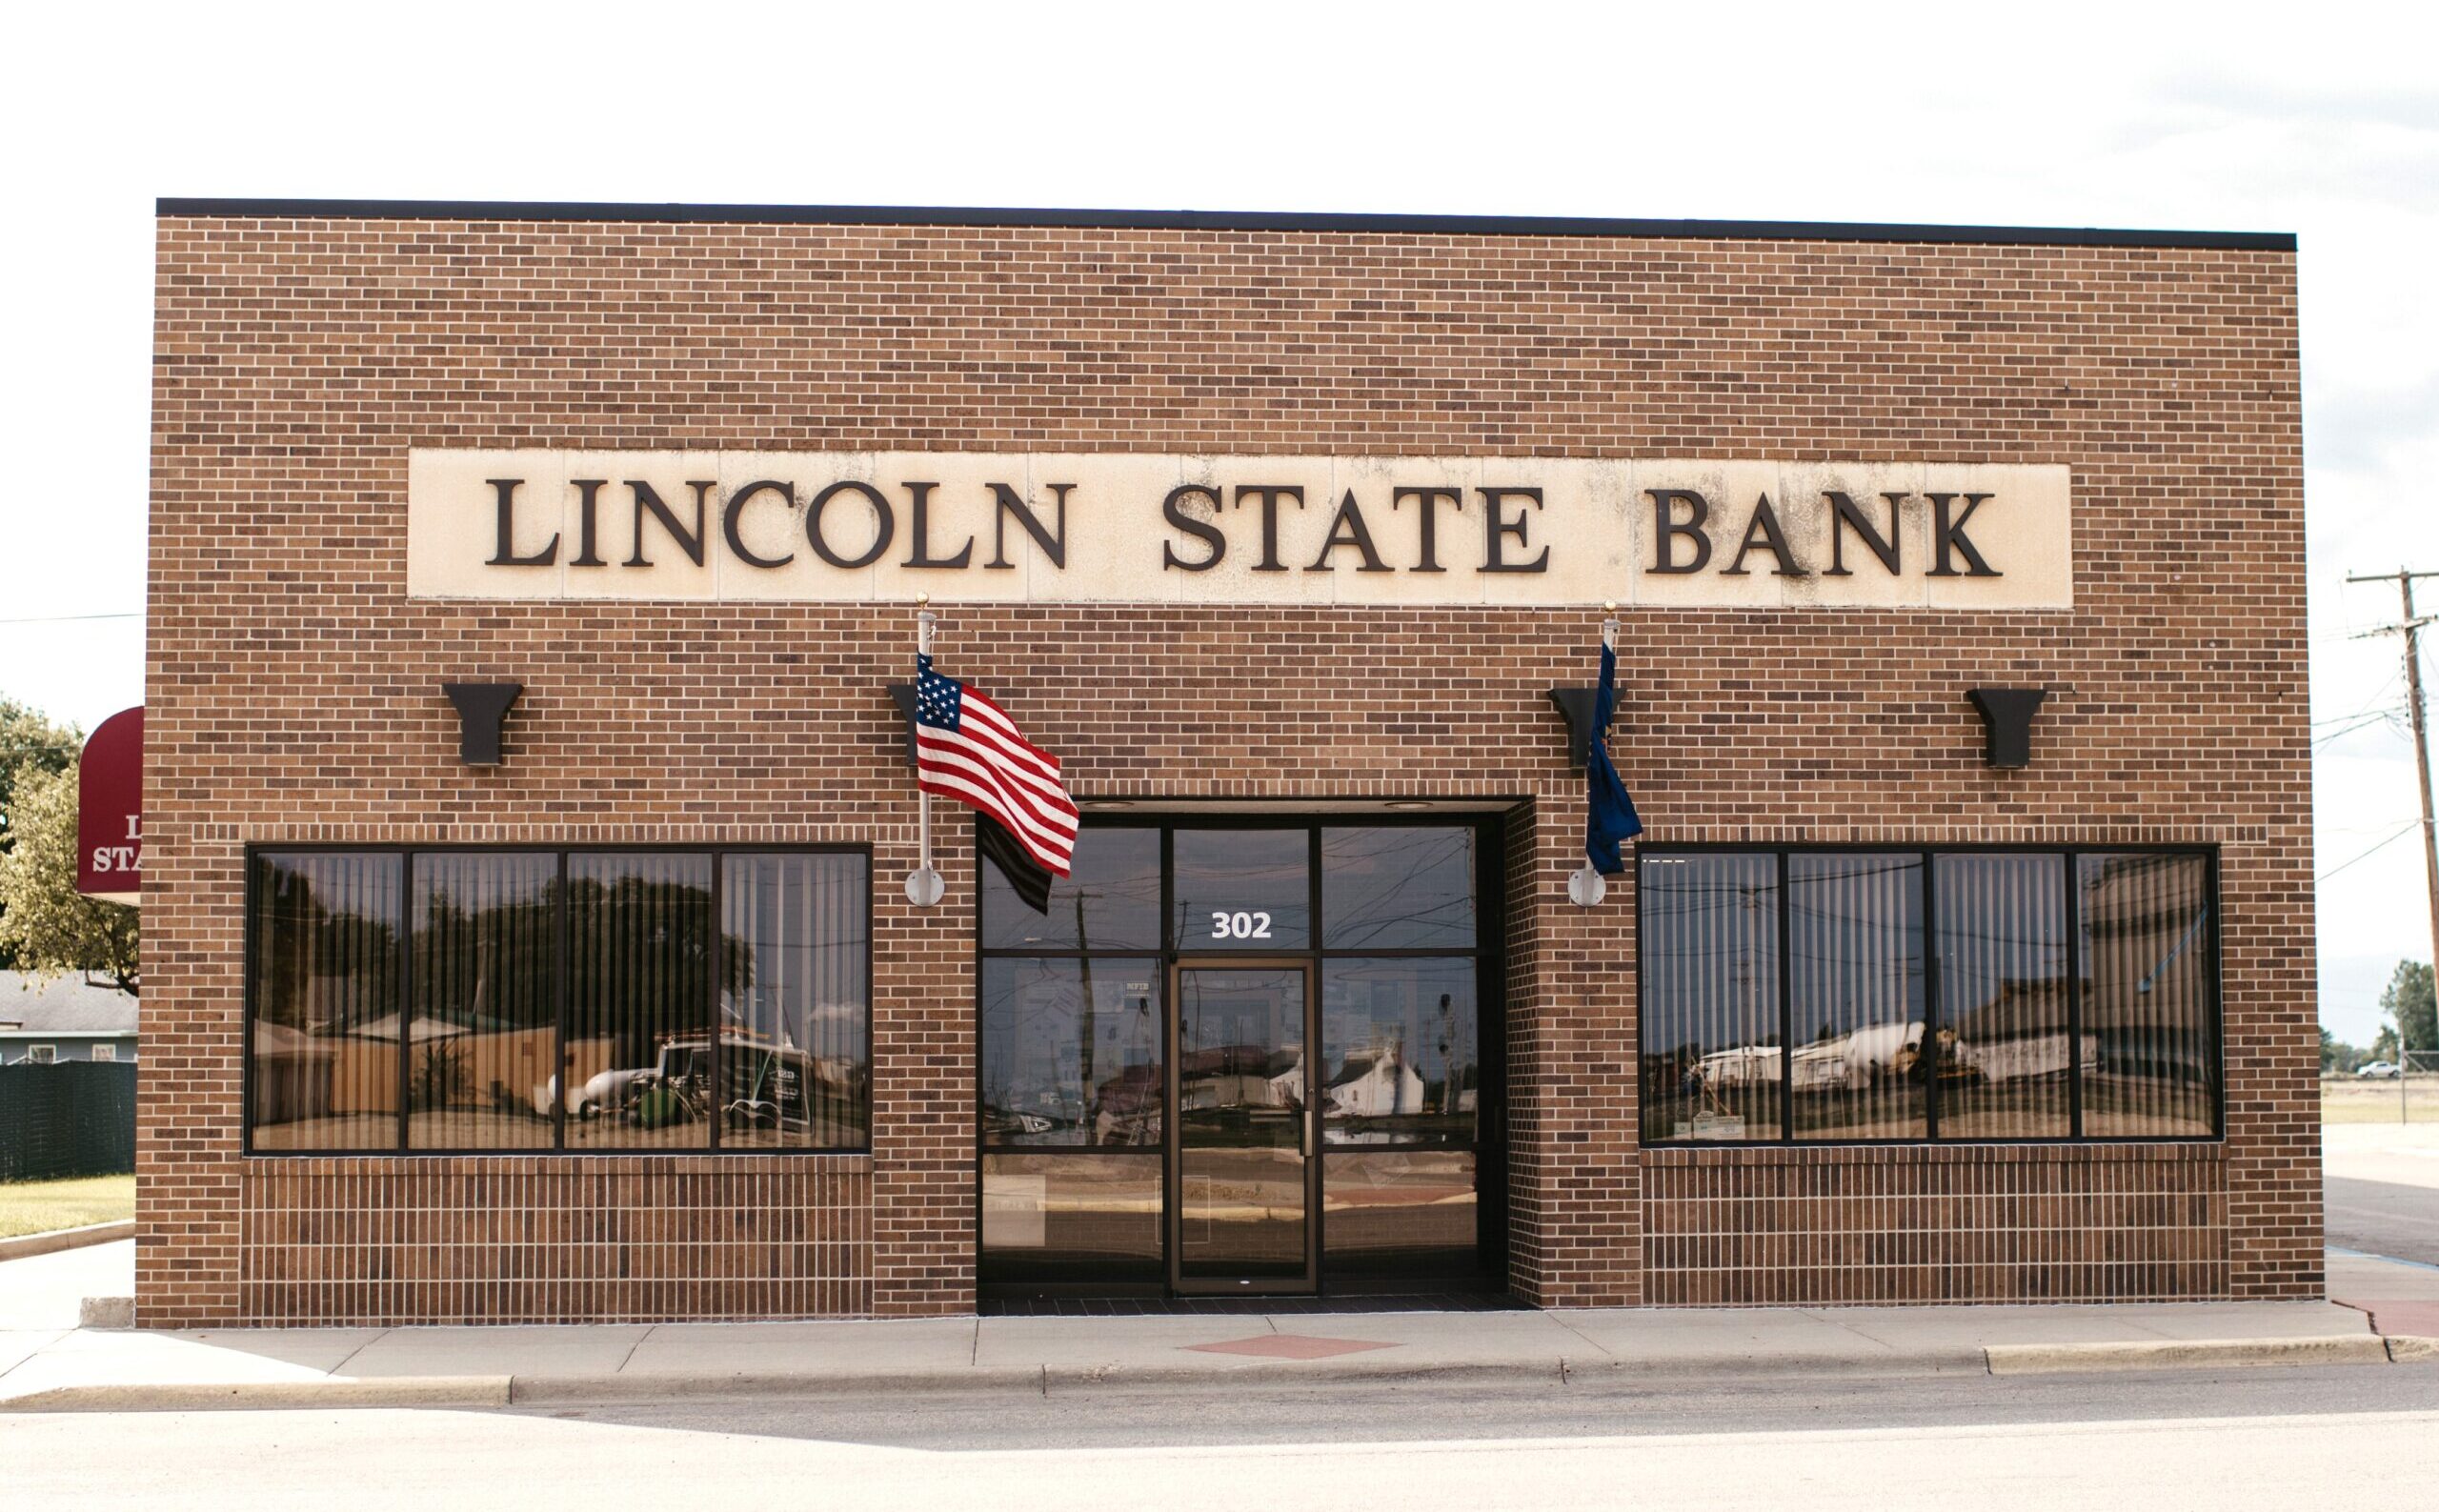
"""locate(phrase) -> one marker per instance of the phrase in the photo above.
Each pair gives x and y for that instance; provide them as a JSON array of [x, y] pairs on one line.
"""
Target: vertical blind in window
[[1855, 978], [794, 1003], [2005, 1057], [324, 1036], [506, 1000], [2062, 994], [2149, 1062], [1712, 1064]]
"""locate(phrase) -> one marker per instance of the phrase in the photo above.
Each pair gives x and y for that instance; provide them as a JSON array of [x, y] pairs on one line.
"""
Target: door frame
[[1181, 1284]]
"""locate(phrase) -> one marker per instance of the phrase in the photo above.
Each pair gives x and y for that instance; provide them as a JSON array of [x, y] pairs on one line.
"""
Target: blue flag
[[1612, 818]]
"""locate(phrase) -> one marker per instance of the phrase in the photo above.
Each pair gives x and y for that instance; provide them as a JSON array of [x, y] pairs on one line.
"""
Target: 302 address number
[[1239, 925]]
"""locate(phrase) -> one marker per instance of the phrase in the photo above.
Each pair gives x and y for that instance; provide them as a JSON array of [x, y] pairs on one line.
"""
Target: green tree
[[2408, 1000], [2340, 1059], [46, 925], [29, 742]]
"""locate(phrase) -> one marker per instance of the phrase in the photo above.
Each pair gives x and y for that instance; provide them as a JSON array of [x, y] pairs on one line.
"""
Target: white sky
[[2320, 119]]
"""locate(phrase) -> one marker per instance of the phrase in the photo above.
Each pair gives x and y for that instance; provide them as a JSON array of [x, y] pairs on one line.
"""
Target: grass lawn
[[36, 1207], [2346, 1100]]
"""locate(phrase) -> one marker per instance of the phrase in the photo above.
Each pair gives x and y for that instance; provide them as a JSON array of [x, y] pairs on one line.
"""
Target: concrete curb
[[60, 1239], [2171, 1354], [259, 1395], [501, 1391]]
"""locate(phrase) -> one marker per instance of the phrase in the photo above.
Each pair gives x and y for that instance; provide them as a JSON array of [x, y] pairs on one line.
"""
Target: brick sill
[[2202, 1151]]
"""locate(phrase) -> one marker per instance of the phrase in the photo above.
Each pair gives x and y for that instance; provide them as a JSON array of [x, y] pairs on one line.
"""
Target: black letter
[[1054, 547], [506, 556], [1946, 534], [1765, 523], [1431, 499], [1494, 556], [881, 512], [919, 531], [1357, 536], [1270, 494], [1845, 514], [1663, 502], [1172, 509], [646, 499], [735, 511], [586, 488]]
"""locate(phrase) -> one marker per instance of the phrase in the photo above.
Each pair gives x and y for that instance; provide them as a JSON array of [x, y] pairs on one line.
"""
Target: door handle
[[1309, 1117]]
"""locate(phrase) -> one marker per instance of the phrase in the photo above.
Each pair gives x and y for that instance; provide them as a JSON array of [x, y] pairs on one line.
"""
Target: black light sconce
[[2007, 714], [482, 707], [1577, 705], [903, 693]]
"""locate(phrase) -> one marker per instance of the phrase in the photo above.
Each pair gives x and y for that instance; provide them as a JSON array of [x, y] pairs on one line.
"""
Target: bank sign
[[1056, 528]]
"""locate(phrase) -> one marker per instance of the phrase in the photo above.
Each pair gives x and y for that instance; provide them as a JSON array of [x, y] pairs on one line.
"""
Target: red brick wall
[[293, 690]]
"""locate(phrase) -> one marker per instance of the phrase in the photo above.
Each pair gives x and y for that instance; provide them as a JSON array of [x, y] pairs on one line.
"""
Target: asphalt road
[[2382, 1217], [2333, 1438]]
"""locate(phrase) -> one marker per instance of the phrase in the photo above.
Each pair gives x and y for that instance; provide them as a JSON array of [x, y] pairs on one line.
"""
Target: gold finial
[[920, 599], [1610, 606]]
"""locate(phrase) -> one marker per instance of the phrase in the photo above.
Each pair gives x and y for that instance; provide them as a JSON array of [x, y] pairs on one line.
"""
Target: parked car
[[2378, 1071]]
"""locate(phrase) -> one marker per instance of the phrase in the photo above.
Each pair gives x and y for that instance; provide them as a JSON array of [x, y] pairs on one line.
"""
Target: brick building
[[1290, 537]]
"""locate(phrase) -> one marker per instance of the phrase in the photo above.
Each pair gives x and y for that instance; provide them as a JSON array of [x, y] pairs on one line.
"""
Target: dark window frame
[[2070, 857], [558, 1148], [1489, 953]]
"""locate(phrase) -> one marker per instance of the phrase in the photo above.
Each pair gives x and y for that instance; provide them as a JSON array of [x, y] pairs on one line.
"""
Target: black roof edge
[[1212, 220]]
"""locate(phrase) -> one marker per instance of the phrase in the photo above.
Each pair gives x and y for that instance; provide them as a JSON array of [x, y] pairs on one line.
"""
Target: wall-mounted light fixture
[[1575, 705], [2006, 718], [482, 708]]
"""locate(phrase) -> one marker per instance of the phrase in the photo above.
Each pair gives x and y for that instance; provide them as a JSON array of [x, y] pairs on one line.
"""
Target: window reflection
[[1243, 889], [792, 1008], [2149, 1062], [1398, 1047], [1399, 1212], [638, 1071], [1855, 983], [1070, 1052], [1054, 1216], [1711, 1062], [325, 1045], [484, 1033], [2004, 1060], [1397, 888], [1109, 900]]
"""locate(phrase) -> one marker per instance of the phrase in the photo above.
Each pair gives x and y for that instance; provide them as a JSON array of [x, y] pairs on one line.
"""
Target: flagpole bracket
[[1575, 704], [1585, 886], [925, 888], [903, 695]]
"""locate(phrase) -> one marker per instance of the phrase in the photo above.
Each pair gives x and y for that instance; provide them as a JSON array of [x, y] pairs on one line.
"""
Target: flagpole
[[924, 887], [1585, 886]]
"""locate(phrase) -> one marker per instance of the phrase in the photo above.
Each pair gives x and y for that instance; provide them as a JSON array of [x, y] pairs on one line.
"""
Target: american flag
[[967, 750]]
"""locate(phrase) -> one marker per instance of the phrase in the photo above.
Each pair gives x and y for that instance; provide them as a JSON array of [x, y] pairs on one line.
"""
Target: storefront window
[[1071, 1053], [1243, 890], [1855, 974], [484, 1033], [2005, 1055], [794, 1002], [1109, 900], [559, 1000], [2149, 1056], [324, 1036], [1397, 1054], [1711, 1034], [1407, 887], [2041, 1010]]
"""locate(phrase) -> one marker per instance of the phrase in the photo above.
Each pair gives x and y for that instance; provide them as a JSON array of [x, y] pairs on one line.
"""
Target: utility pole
[[2410, 625]]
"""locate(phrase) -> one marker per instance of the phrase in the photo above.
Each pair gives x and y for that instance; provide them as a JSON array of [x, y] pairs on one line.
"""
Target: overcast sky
[[2322, 120]]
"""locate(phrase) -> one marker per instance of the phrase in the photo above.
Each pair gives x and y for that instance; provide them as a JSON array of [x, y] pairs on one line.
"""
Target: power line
[[57, 619], [2411, 825]]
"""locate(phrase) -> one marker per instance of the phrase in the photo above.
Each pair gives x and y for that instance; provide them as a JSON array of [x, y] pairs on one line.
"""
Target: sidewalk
[[102, 1370]]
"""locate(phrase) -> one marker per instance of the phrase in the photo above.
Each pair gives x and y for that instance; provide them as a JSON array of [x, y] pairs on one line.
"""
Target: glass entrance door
[[1244, 1176]]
